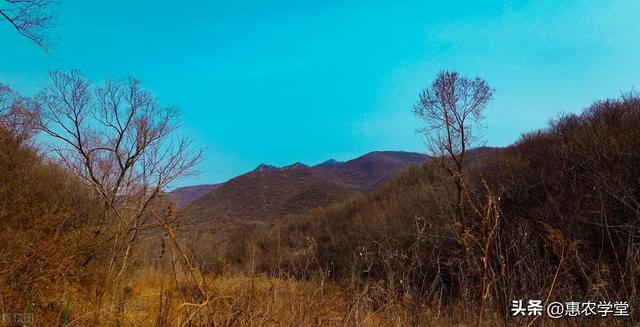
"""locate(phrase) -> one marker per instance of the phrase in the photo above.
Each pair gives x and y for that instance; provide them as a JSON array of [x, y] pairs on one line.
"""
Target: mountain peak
[[297, 165], [265, 167], [329, 162]]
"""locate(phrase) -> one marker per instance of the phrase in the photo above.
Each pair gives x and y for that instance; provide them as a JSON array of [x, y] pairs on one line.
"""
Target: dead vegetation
[[89, 242], [553, 217]]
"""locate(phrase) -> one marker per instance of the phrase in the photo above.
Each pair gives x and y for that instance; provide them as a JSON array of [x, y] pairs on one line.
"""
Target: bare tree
[[14, 114], [118, 140], [452, 109], [7, 97], [31, 18]]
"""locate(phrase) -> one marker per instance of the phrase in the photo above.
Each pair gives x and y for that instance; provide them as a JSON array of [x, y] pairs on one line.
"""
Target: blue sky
[[285, 81]]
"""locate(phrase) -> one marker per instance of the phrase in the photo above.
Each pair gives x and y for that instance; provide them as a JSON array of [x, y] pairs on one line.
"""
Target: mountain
[[367, 172], [268, 192], [182, 196], [329, 162], [265, 167], [297, 165]]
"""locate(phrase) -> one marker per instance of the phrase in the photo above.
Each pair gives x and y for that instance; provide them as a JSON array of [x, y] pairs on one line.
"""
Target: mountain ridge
[[271, 192]]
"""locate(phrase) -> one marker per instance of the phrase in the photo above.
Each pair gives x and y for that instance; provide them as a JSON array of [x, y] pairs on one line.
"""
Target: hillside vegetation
[[554, 216], [49, 239], [557, 218]]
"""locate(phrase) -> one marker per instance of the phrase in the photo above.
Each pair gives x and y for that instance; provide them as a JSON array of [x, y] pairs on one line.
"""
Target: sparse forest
[[553, 216], [91, 234], [90, 237]]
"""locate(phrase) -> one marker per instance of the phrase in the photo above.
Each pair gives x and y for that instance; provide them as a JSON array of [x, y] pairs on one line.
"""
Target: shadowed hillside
[[182, 196]]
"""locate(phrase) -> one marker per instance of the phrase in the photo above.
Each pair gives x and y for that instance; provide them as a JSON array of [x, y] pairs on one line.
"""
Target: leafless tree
[[14, 114], [7, 96], [118, 140], [31, 18], [452, 109]]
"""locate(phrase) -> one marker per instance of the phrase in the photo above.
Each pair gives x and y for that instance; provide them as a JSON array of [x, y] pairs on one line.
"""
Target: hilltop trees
[[15, 117]]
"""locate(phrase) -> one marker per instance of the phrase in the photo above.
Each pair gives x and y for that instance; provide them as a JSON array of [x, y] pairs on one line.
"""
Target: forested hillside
[[555, 215], [480, 181]]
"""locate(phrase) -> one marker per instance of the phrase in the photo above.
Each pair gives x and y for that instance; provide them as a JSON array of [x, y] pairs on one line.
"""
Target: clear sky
[[283, 81]]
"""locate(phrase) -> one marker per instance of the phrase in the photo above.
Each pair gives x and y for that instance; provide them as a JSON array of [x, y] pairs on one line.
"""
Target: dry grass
[[262, 301]]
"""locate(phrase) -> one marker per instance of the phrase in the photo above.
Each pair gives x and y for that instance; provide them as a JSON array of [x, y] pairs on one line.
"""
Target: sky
[[283, 81]]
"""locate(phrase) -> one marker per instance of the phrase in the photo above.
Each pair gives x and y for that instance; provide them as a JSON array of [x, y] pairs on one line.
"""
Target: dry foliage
[[553, 217], [89, 239]]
